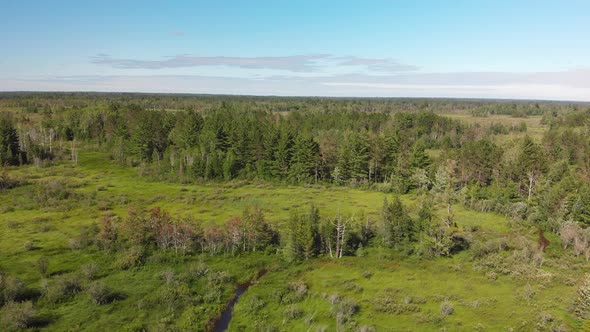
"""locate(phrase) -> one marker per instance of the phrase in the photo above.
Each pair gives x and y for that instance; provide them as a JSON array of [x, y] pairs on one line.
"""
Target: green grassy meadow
[[388, 292]]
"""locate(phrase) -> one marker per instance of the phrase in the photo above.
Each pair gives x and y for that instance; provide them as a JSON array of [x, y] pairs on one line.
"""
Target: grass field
[[535, 127]]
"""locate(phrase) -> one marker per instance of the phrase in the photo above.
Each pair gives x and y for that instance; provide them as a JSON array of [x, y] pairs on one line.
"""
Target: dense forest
[[430, 160]]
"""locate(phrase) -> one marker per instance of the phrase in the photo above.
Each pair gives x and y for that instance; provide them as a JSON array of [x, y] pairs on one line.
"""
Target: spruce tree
[[9, 145]]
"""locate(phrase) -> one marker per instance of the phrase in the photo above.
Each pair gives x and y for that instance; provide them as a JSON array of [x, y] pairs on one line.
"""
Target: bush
[[29, 246], [88, 235], [344, 309], [199, 270], [293, 312], [43, 265], [582, 302], [50, 192], [12, 224], [299, 287], [218, 278], [14, 288], [75, 244], [90, 271], [17, 316], [131, 258], [99, 293], [446, 308], [255, 304], [388, 302], [63, 288], [168, 277]]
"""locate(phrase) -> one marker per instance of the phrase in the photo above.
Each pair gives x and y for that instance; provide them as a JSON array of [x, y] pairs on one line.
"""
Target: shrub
[[12, 224], [63, 288], [293, 312], [344, 309], [168, 277], [29, 246], [255, 304], [528, 292], [99, 293], [104, 205], [199, 270], [299, 287], [334, 298], [446, 308], [17, 316], [88, 234], [90, 270], [44, 228], [75, 244], [582, 302], [43, 265], [14, 288], [218, 278], [568, 233], [48, 193], [131, 258]]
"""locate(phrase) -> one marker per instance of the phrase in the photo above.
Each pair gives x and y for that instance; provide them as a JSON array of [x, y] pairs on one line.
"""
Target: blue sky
[[491, 49]]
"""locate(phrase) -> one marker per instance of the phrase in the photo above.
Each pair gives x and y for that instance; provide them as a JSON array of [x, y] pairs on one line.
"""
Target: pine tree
[[9, 145], [397, 225], [530, 165], [303, 159], [302, 238], [282, 155], [359, 159], [419, 158]]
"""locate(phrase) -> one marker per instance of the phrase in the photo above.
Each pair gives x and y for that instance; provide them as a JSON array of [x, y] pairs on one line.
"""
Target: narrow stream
[[222, 323]]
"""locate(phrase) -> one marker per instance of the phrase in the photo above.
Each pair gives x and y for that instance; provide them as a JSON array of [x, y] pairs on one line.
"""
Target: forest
[[171, 212]]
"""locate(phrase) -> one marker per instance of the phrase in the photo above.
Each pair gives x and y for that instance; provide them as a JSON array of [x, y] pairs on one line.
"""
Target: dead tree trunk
[[341, 226]]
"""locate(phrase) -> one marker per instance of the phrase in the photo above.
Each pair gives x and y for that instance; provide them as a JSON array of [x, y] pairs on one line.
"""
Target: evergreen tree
[[303, 164], [9, 144], [530, 165], [269, 148], [302, 238], [478, 161], [282, 155], [187, 129], [419, 158], [396, 224]]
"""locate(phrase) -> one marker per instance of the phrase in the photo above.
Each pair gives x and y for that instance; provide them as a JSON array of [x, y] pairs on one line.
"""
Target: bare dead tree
[[341, 225]]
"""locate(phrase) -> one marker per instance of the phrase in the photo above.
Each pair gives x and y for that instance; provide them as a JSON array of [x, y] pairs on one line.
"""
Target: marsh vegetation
[[147, 212]]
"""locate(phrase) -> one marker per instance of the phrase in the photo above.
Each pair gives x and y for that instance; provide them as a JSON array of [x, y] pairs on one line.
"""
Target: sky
[[438, 48]]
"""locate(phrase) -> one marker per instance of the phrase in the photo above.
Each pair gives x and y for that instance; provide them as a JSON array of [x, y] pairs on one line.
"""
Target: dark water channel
[[222, 323]]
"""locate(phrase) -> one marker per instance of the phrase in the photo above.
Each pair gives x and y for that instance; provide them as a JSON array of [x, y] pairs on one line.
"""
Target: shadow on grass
[[115, 296], [29, 294], [42, 320], [59, 272]]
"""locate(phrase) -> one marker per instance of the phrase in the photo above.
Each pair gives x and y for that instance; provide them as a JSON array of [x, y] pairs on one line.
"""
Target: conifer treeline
[[357, 142]]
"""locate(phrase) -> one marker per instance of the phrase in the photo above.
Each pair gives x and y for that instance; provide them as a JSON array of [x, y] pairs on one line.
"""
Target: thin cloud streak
[[378, 65], [296, 63]]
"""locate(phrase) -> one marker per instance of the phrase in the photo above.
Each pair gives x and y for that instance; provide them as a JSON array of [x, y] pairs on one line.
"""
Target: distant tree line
[[392, 145]]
